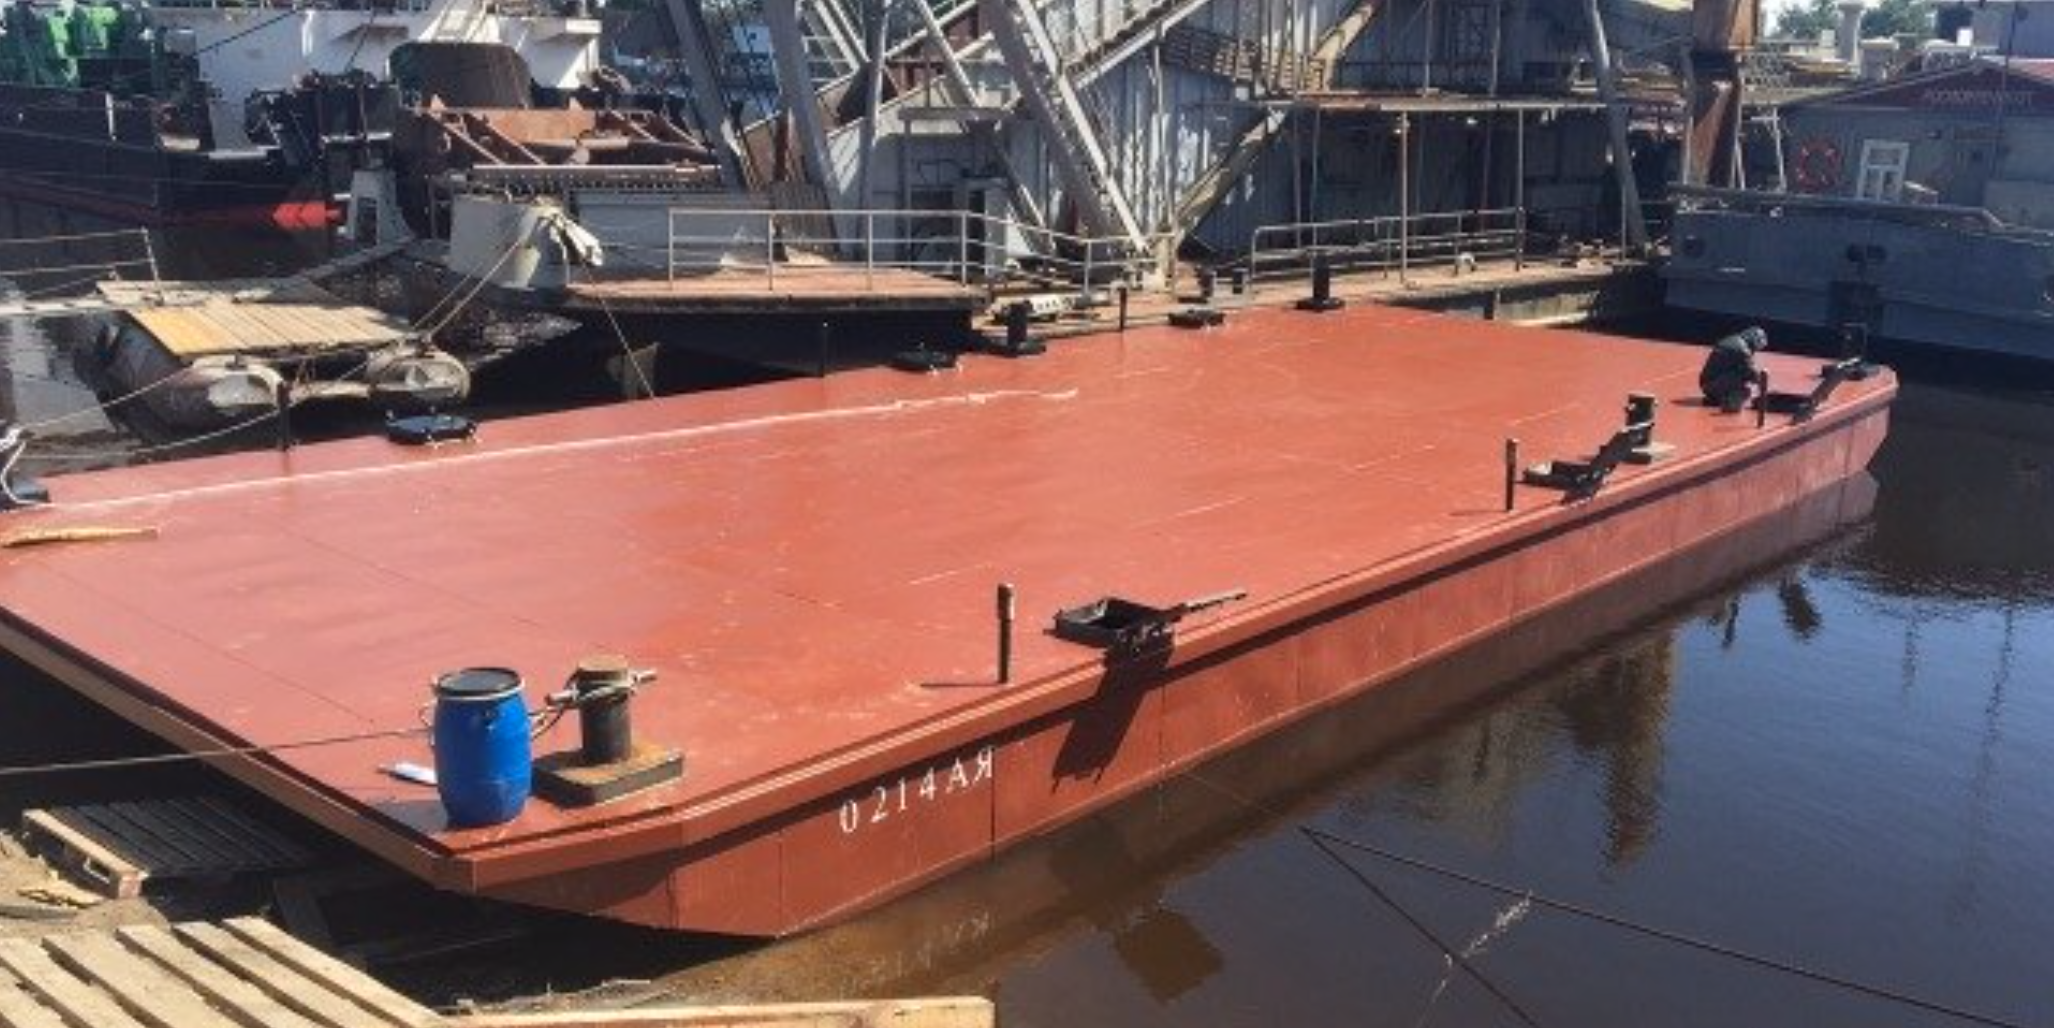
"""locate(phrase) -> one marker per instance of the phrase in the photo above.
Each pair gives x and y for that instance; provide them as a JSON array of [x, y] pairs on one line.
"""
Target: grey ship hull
[[1936, 276]]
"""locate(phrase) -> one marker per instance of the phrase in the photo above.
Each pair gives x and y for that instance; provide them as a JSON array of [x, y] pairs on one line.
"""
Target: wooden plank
[[336, 975], [202, 828], [195, 856], [18, 1009], [110, 873], [196, 824], [227, 819], [289, 988], [107, 829], [940, 1012], [156, 997], [241, 1001], [80, 1003], [114, 832]]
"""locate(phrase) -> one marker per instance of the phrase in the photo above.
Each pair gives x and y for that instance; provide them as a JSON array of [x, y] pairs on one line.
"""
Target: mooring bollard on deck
[[609, 762], [1322, 299]]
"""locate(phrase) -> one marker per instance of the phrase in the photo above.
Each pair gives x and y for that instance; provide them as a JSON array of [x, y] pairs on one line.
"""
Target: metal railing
[[1390, 244], [785, 247]]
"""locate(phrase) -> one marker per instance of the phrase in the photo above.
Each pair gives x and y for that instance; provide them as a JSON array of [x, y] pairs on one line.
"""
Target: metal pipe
[[283, 396], [1634, 228], [1404, 195], [1511, 474], [1007, 613]]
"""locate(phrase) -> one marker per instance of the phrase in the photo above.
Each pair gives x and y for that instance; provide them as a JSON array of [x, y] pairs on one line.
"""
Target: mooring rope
[[188, 756], [1324, 839]]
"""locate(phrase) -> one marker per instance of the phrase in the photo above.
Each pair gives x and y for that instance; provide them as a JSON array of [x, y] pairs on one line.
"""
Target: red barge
[[809, 566]]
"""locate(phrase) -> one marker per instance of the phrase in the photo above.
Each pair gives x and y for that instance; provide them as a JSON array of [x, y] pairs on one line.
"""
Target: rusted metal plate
[[809, 566]]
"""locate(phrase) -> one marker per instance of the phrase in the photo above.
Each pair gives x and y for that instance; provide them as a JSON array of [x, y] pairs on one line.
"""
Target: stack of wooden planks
[[245, 973]]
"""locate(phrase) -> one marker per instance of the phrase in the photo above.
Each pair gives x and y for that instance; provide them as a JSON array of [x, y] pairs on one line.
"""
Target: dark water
[[1841, 759]]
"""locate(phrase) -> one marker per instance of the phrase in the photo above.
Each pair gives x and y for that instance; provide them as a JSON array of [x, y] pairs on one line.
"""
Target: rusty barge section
[[810, 566]]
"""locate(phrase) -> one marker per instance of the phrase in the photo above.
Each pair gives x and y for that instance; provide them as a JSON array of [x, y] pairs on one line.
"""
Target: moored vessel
[[809, 568]]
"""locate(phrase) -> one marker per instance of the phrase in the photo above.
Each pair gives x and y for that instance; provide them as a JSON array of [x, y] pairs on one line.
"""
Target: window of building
[[1882, 169]]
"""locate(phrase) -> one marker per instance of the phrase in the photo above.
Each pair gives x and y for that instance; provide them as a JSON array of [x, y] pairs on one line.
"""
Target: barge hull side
[[834, 857]]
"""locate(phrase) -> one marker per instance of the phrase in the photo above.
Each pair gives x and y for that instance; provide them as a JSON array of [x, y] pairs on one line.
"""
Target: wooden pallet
[[944, 1012], [242, 974], [116, 847]]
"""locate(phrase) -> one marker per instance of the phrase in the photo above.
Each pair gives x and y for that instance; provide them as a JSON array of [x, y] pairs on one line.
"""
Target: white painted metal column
[[795, 84]]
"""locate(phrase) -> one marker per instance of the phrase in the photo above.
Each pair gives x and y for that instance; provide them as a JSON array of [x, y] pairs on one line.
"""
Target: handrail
[[969, 247], [1387, 242]]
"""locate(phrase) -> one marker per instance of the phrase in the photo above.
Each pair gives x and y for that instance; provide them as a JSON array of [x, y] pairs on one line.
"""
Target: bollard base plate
[[562, 780], [1320, 306]]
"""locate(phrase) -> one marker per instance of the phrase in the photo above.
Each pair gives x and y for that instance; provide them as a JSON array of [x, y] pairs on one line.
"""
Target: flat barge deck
[[810, 565]]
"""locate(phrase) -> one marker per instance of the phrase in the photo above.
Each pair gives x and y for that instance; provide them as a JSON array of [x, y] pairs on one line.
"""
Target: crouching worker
[[1729, 374]]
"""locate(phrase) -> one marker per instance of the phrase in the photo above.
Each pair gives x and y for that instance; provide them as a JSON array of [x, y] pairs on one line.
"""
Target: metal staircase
[[1241, 61], [1052, 97]]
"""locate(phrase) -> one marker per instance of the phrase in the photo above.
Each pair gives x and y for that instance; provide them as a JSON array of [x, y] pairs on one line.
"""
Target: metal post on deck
[[1511, 474], [963, 247], [870, 250], [283, 396], [670, 247], [150, 255], [823, 343], [770, 249], [1008, 611], [1519, 189], [1404, 195]]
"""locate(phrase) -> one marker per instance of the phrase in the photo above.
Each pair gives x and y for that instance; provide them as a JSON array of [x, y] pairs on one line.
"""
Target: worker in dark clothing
[[1729, 374]]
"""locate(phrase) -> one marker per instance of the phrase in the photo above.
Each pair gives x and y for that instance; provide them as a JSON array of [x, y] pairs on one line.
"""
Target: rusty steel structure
[[1721, 34]]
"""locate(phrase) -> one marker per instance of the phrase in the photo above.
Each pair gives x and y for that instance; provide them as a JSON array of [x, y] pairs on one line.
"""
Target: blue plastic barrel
[[482, 760]]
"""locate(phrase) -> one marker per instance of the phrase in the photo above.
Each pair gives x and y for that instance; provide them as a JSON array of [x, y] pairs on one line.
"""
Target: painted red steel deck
[[810, 565]]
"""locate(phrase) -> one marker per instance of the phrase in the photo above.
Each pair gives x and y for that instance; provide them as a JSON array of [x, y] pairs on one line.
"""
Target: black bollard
[[1322, 298], [601, 687], [824, 342], [1640, 417], [1238, 281], [1761, 399], [1123, 307], [1016, 326], [1208, 280], [1007, 612]]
